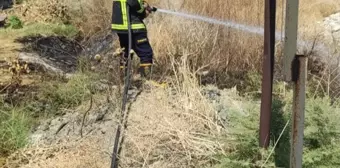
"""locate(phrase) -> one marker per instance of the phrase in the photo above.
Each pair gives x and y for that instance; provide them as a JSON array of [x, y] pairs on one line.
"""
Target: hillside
[[59, 107]]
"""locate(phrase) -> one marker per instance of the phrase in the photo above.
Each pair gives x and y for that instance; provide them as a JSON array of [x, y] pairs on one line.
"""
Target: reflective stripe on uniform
[[124, 13], [145, 64], [138, 26], [141, 6], [125, 27]]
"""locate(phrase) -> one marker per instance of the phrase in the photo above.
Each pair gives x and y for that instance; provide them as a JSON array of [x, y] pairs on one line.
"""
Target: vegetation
[[46, 29], [186, 49], [321, 138], [15, 124], [58, 96], [14, 22], [18, 119]]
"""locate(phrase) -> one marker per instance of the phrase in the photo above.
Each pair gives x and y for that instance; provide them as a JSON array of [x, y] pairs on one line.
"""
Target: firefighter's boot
[[145, 72]]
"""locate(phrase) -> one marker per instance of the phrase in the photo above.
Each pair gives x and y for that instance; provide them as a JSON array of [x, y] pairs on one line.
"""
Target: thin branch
[[85, 114]]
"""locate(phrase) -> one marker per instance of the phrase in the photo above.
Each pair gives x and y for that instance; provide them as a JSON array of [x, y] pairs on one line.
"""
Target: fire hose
[[127, 81]]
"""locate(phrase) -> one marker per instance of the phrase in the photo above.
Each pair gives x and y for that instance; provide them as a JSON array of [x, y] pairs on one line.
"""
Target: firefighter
[[138, 11]]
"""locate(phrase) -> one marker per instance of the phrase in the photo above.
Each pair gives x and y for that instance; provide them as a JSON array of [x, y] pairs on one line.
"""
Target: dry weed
[[251, 12], [92, 17], [173, 127], [42, 11], [219, 50], [83, 153], [209, 47], [167, 127]]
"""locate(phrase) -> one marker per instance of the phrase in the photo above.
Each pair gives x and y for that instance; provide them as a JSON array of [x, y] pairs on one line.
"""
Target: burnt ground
[[61, 52], [64, 53]]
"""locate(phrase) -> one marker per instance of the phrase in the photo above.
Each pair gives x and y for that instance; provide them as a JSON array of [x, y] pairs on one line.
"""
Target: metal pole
[[267, 71], [298, 117], [291, 31]]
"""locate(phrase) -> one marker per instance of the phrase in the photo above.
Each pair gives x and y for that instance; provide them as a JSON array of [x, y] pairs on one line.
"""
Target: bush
[[321, 135], [323, 157], [14, 22]]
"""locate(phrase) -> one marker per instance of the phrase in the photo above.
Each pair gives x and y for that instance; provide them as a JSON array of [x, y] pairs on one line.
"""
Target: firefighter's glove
[[148, 9]]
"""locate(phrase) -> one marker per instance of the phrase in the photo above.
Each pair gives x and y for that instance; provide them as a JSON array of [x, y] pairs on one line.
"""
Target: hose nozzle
[[151, 9]]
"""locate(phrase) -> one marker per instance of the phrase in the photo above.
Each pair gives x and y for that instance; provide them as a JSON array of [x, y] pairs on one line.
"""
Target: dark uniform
[[140, 42], [4, 4]]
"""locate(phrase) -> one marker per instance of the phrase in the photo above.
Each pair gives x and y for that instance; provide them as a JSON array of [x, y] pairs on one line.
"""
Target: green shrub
[[252, 84], [15, 125], [323, 157], [321, 123], [243, 135], [14, 22], [321, 135]]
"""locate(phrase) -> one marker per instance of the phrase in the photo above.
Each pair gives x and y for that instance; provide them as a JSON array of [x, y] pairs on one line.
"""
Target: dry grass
[[173, 127], [178, 127], [251, 11], [82, 153], [211, 47], [167, 127], [219, 50], [92, 17]]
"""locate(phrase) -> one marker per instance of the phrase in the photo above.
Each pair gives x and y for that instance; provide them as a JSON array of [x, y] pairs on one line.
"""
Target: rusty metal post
[[267, 72], [299, 76], [291, 31]]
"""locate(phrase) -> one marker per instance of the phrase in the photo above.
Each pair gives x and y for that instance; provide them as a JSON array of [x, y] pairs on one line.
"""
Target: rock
[[336, 28], [36, 63], [3, 17], [69, 126], [2, 20], [332, 23]]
